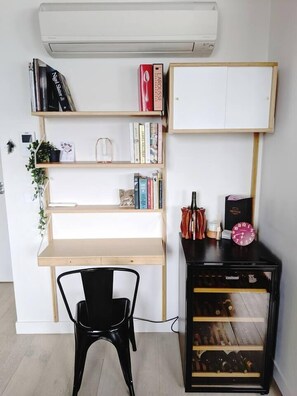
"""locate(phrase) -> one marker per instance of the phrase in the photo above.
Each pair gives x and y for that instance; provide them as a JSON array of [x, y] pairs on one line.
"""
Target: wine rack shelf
[[225, 375], [228, 319], [228, 290], [228, 348], [228, 306]]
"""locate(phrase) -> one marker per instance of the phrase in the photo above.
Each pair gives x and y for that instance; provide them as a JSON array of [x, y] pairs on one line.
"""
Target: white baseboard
[[281, 382], [67, 327], [44, 327]]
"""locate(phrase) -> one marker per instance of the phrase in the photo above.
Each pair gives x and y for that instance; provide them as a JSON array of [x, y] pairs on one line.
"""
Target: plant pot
[[55, 155]]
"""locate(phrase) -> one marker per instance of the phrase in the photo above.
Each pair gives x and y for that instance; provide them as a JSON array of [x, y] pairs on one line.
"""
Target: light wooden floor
[[42, 365]]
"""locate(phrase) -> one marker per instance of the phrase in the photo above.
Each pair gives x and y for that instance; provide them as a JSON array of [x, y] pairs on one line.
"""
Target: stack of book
[[148, 191], [146, 143], [151, 87], [49, 88]]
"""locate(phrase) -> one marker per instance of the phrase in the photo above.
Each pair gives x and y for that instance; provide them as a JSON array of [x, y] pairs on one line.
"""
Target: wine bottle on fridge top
[[193, 213]]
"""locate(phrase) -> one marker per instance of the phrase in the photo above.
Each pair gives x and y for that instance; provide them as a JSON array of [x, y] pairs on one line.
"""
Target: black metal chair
[[101, 315]]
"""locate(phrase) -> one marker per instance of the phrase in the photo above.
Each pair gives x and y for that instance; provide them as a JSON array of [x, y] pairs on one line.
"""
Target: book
[[37, 83], [32, 86], [160, 143], [67, 91], [155, 178], [160, 202], [61, 204], [43, 85], [51, 91], [147, 137], [52, 97], [131, 140], [136, 190], [158, 87], [237, 208], [145, 77], [142, 192], [153, 143], [150, 193], [142, 151], [136, 143], [62, 90]]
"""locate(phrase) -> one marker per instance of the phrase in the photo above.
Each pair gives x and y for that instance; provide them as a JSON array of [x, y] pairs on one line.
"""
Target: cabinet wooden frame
[[272, 97], [125, 251]]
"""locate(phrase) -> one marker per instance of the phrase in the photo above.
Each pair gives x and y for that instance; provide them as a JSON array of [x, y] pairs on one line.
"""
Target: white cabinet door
[[199, 95], [248, 97], [222, 97]]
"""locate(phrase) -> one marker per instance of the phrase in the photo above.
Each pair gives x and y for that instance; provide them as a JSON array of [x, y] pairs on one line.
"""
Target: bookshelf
[[94, 164], [106, 251], [71, 114], [97, 209]]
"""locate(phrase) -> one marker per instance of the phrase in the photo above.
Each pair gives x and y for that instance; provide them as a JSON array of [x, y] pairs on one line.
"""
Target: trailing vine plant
[[39, 176]]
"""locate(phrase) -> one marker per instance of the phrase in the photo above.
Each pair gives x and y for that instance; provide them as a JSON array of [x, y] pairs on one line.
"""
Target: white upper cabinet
[[226, 97]]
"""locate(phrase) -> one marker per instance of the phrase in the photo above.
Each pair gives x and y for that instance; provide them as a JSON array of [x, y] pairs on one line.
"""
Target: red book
[[150, 198], [158, 86], [146, 88]]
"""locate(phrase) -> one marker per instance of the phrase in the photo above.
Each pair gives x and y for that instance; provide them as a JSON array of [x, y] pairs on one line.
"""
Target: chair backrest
[[98, 287]]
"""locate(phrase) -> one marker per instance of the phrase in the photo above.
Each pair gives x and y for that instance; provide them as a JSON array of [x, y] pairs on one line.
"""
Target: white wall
[[279, 189], [5, 267], [201, 163]]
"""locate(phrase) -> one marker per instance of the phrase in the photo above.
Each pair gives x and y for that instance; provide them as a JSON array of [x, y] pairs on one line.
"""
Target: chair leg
[[82, 344], [132, 334], [121, 342]]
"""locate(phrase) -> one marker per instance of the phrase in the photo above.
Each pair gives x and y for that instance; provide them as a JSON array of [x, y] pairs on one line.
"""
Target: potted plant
[[39, 175]]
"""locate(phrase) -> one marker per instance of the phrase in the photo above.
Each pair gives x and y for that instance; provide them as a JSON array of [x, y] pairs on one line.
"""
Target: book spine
[[37, 84], [142, 193], [67, 92], [136, 190], [150, 196], [147, 135], [155, 190], [160, 203], [158, 85], [131, 137], [142, 143], [136, 142], [52, 97], [32, 87], [145, 76], [154, 143], [55, 76], [160, 143], [43, 85]]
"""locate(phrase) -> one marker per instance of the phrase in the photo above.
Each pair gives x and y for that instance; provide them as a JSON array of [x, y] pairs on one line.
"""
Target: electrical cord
[[160, 321]]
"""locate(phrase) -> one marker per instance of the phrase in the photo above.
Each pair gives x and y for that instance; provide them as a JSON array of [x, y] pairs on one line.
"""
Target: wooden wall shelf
[[94, 164], [98, 209], [65, 114]]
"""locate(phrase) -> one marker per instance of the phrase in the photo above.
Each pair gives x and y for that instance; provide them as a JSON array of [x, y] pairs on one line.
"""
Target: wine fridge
[[228, 310]]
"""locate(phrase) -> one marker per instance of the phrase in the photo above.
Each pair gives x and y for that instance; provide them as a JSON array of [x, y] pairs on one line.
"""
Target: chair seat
[[118, 314]]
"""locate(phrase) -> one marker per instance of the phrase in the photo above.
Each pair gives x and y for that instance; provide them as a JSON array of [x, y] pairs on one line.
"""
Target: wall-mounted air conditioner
[[128, 29]]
